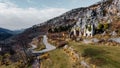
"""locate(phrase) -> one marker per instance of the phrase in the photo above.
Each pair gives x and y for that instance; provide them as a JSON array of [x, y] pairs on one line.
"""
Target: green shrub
[[60, 28], [100, 26], [106, 26]]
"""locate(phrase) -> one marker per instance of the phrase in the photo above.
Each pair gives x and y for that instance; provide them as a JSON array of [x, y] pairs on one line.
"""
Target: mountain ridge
[[98, 12], [5, 33]]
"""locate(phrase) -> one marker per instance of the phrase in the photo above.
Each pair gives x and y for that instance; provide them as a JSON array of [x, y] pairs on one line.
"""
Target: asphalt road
[[49, 47]]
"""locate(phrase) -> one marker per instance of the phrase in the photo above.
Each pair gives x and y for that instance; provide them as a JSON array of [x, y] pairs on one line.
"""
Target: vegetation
[[59, 29], [100, 55], [57, 59], [40, 46], [102, 27], [106, 26], [97, 56], [4, 36], [5, 60]]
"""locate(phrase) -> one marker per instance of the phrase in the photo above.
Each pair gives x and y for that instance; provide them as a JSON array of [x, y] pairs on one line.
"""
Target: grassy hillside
[[110, 54], [57, 59], [102, 56]]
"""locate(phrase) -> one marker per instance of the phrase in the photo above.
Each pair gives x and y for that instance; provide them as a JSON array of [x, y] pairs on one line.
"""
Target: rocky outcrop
[[103, 12]]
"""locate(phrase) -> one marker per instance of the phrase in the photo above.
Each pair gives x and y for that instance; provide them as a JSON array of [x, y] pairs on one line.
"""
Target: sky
[[21, 14]]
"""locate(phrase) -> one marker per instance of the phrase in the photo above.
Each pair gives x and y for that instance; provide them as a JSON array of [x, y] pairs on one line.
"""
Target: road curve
[[49, 47]]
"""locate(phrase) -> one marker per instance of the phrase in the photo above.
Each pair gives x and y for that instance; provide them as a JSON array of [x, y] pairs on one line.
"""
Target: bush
[[59, 28], [100, 26], [106, 26]]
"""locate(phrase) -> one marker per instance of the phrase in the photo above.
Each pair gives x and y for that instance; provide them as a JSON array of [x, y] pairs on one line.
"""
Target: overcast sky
[[18, 14]]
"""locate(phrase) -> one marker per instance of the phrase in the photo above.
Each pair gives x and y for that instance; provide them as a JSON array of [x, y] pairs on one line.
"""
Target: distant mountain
[[18, 31], [6, 33]]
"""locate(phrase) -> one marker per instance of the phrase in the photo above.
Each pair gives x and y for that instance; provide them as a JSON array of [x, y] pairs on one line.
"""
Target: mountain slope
[[105, 11], [5, 33]]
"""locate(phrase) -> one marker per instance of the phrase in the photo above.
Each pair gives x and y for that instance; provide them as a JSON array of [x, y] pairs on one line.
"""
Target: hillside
[[106, 11], [5, 33]]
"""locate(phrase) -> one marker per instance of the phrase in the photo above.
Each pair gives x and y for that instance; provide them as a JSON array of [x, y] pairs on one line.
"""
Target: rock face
[[102, 12], [89, 30], [115, 39]]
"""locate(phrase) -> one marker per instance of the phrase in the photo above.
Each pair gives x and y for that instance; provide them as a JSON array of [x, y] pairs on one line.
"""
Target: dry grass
[[111, 57], [57, 59]]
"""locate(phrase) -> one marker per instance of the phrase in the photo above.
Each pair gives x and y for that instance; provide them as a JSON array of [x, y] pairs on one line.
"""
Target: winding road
[[49, 47]]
